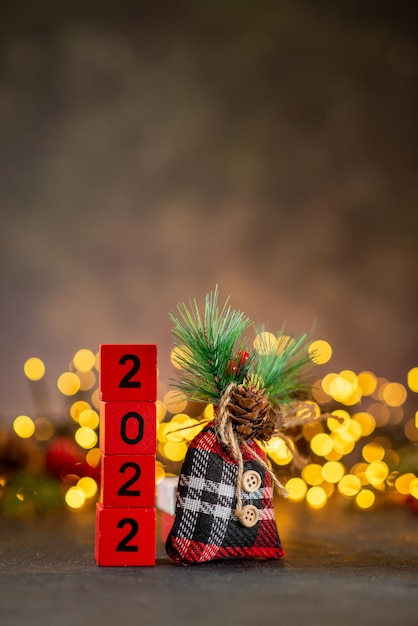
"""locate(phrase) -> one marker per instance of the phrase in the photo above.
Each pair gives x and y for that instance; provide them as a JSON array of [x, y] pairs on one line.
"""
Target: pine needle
[[207, 346], [211, 353]]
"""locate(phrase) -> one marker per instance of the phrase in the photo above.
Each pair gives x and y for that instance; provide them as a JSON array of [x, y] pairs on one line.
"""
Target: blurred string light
[[352, 455], [34, 368], [24, 426]]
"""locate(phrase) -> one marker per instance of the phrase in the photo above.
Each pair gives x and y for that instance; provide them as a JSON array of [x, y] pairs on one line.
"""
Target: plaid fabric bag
[[205, 526]]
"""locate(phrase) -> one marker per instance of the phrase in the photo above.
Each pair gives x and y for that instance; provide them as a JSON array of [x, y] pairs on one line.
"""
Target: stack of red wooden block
[[126, 514]]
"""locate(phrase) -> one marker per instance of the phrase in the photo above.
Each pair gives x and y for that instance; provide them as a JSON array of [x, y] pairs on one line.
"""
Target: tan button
[[250, 516], [251, 481]]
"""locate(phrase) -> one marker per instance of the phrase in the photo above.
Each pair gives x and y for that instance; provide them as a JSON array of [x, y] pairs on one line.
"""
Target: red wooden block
[[128, 372], [128, 427], [125, 536], [128, 481]]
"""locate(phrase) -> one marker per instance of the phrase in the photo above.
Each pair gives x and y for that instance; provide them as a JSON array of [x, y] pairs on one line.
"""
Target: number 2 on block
[[128, 372], [126, 381], [124, 490], [124, 544]]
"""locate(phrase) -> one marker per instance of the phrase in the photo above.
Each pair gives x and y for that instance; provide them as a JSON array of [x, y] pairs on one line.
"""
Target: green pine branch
[[210, 349], [206, 346], [283, 372]]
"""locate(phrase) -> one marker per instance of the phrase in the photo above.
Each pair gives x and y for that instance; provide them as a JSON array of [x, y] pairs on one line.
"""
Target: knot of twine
[[230, 438]]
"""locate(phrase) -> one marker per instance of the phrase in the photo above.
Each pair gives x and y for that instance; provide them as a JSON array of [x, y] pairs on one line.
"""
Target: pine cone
[[251, 413]]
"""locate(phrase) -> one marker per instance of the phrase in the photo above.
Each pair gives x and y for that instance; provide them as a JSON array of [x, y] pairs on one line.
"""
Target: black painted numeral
[[124, 545], [127, 381], [140, 428], [124, 489]]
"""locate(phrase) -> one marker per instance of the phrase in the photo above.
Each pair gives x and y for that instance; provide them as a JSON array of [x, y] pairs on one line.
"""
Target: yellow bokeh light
[[159, 472], [24, 426], [354, 429], [209, 412], [182, 427], [180, 418], [321, 444], [169, 431], [413, 488], [333, 471], [84, 360], [354, 396], [411, 430], [352, 399], [316, 497], [343, 442], [180, 356], [365, 499], [340, 388], [349, 485], [89, 418], [75, 497], [161, 430], [394, 394], [366, 421], [376, 473], [175, 401], [413, 379], [93, 457], [85, 437], [373, 452], [359, 470], [68, 383], [77, 408], [281, 454], [97, 360], [403, 481], [265, 343], [175, 451], [367, 382], [338, 421], [327, 381], [320, 351], [312, 474], [297, 489], [88, 486], [34, 368], [193, 428], [333, 455]]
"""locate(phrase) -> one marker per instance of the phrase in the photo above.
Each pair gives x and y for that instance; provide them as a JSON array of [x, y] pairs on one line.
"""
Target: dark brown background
[[151, 150]]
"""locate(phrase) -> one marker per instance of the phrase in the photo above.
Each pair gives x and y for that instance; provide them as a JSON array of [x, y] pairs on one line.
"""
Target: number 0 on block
[[128, 372]]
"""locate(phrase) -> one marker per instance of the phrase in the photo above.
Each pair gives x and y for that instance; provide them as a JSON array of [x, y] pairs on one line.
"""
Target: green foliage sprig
[[206, 345], [283, 371], [212, 353]]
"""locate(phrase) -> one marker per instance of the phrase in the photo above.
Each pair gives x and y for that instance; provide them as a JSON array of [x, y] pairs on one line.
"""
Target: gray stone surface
[[342, 566]]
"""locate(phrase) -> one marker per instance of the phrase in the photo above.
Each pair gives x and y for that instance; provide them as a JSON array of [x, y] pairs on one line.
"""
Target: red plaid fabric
[[205, 526]]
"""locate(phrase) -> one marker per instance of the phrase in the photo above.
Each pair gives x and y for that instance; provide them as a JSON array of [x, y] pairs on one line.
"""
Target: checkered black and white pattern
[[205, 526]]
